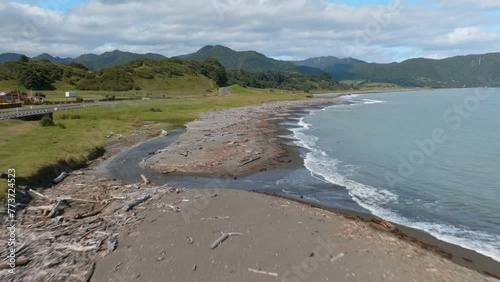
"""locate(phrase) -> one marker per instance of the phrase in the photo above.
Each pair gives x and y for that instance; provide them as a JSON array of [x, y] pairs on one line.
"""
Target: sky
[[372, 30]]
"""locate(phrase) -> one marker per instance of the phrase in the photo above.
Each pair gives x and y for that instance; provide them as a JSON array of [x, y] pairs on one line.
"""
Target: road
[[224, 91]]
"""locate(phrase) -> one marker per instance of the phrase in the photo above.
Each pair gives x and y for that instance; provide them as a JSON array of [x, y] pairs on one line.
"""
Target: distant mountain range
[[105, 60], [460, 71]]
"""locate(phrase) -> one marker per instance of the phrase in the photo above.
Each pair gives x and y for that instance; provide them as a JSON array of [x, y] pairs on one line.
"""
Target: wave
[[355, 99], [377, 200], [370, 101]]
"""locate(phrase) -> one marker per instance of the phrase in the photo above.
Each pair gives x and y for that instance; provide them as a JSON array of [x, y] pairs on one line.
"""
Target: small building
[[70, 94], [10, 97]]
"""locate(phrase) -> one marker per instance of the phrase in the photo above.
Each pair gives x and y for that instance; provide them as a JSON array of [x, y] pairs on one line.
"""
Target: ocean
[[424, 159]]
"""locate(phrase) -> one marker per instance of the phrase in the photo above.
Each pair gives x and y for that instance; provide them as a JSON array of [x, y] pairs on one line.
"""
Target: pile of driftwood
[[64, 229]]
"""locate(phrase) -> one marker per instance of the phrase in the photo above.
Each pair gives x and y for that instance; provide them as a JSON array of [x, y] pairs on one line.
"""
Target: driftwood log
[[250, 160], [60, 177], [222, 238], [145, 180], [130, 205]]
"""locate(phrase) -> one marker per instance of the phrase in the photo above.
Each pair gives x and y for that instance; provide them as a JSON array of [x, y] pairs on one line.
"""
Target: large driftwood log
[[130, 205], [250, 160], [60, 177]]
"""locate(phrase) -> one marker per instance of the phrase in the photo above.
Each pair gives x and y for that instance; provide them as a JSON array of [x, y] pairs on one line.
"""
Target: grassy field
[[30, 148], [186, 86], [367, 85]]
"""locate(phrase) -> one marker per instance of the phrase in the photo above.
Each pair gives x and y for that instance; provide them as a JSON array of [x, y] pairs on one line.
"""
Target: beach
[[175, 233]]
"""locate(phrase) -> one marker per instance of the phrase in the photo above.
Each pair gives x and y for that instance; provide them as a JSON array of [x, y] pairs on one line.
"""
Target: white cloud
[[293, 29]]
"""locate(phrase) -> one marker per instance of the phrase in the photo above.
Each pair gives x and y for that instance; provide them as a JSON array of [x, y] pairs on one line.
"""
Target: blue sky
[[371, 30], [54, 5]]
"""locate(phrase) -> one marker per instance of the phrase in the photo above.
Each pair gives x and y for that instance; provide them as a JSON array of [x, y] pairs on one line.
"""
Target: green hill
[[114, 58], [246, 60], [93, 61], [460, 71], [330, 64], [143, 75]]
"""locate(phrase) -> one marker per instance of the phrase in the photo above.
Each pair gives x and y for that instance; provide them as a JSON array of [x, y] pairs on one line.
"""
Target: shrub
[[155, 110], [46, 121]]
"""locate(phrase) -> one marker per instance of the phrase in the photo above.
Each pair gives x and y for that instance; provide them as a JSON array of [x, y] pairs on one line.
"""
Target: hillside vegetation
[[153, 78], [140, 75], [233, 60], [286, 81], [460, 71]]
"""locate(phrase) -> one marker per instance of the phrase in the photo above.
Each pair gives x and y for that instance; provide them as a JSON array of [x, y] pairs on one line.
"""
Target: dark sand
[[281, 240]]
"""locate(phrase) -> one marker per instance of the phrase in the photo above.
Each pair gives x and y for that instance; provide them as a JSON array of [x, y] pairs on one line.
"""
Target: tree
[[78, 66], [24, 59], [212, 69], [33, 78]]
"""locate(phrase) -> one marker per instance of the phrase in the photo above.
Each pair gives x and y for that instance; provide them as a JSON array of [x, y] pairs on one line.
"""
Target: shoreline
[[232, 143], [455, 253], [458, 254], [279, 240]]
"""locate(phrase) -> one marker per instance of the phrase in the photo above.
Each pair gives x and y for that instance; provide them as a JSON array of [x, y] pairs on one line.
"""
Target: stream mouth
[[290, 182]]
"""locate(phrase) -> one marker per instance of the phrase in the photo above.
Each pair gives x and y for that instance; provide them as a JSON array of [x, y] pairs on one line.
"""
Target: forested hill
[[460, 71], [142, 74], [246, 60], [234, 60]]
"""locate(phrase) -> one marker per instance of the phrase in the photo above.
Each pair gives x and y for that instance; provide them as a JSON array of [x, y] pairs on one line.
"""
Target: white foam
[[481, 242], [370, 101], [304, 124], [325, 168]]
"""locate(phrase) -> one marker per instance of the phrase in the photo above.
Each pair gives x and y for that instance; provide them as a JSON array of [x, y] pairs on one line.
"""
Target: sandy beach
[[281, 240], [176, 234]]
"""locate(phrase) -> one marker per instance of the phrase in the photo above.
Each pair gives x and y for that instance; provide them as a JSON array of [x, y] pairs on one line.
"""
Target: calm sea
[[426, 159]]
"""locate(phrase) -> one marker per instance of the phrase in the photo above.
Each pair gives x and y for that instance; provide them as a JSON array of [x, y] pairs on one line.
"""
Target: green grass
[[187, 86], [8, 85], [367, 85], [30, 148]]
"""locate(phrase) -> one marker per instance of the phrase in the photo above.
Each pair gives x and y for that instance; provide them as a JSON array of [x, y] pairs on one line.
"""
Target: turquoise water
[[427, 159]]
